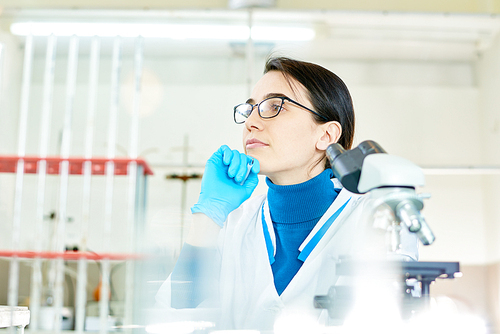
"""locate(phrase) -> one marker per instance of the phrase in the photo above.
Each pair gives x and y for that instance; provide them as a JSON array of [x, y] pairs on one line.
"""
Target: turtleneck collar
[[301, 202]]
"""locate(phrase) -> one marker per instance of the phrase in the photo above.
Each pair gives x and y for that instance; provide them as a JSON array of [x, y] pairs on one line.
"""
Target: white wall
[[430, 124], [422, 110], [489, 81]]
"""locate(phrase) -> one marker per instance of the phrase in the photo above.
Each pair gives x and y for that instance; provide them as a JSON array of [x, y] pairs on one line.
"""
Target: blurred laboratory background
[[150, 85]]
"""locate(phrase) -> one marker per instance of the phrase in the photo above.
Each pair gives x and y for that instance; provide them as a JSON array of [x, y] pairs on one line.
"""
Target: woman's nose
[[253, 120]]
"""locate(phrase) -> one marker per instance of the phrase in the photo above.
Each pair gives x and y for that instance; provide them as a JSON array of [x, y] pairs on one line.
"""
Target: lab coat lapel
[[306, 275], [344, 198]]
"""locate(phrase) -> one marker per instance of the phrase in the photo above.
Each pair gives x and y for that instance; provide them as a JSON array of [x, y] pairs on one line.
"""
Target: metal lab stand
[[65, 165], [14, 317], [137, 171]]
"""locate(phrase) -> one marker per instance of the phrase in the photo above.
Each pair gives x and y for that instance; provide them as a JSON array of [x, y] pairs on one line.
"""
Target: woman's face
[[286, 144]]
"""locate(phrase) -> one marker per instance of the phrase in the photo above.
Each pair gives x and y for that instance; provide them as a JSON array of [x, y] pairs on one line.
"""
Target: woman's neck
[[286, 178]]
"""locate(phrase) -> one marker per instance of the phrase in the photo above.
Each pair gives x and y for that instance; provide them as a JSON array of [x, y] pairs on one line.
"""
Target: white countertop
[[19, 317]]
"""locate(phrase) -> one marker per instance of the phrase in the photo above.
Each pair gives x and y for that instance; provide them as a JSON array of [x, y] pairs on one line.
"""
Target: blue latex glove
[[222, 190]]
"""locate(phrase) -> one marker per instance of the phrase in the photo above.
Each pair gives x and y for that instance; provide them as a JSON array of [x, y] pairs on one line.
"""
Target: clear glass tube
[[64, 174], [132, 179], [92, 96], [114, 103], [134, 125], [104, 296], [13, 289], [25, 95], [13, 286], [70, 96], [48, 87], [250, 53], [110, 168], [2, 48], [81, 283], [21, 151]]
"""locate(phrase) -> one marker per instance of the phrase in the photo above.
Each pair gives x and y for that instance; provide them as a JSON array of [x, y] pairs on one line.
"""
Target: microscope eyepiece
[[333, 151], [346, 165]]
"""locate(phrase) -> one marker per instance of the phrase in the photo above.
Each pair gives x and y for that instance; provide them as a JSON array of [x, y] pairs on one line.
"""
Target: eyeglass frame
[[283, 98]]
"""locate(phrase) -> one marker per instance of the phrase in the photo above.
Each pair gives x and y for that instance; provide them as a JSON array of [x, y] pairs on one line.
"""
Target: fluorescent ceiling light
[[157, 30], [282, 33]]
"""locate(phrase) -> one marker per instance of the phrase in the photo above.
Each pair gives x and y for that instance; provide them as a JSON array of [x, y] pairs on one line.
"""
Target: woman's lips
[[254, 143]]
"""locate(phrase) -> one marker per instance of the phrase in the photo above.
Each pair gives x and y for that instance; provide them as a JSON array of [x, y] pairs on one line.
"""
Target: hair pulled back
[[327, 93]]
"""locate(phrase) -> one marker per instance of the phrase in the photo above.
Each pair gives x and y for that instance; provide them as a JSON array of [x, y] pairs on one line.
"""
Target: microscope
[[393, 205], [391, 181]]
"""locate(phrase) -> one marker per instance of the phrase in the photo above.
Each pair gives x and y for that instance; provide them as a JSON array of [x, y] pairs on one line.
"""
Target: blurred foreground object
[[14, 317]]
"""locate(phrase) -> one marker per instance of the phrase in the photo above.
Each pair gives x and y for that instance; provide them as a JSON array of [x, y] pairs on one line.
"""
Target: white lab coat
[[248, 297]]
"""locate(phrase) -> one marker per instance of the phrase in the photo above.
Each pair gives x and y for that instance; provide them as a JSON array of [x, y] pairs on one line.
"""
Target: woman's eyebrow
[[274, 95], [252, 101]]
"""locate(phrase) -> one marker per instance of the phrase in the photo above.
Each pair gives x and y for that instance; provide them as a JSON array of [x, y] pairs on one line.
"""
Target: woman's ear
[[331, 132]]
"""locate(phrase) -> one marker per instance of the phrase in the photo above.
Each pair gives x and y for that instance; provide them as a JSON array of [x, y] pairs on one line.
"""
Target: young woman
[[273, 253]]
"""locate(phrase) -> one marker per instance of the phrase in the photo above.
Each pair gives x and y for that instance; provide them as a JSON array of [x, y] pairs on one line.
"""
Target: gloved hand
[[221, 188]]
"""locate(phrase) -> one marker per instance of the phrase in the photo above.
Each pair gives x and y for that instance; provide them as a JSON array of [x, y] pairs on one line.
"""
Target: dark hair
[[326, 91]]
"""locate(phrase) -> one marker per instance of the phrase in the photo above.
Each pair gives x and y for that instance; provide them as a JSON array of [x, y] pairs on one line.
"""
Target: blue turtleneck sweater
[[295, 210]]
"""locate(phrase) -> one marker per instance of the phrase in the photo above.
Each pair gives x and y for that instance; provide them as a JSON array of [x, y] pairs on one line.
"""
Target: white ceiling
[[339, 35]]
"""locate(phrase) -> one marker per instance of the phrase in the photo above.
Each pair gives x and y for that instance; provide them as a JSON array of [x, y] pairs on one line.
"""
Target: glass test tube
[[64, 173], [81, 295], [110, 169], [250, 53], [13, 289], [2, 48], [48, 87], [132, 177]]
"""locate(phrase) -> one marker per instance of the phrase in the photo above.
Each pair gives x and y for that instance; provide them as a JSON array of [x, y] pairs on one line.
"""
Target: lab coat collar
[[329, 220]]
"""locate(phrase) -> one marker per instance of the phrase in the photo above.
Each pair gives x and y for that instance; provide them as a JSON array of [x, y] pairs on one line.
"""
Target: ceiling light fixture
[[159, 30]]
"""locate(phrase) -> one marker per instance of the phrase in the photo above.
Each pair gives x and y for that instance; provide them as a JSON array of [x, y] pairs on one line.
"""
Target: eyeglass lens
[[241, 112], [267, 109], [270, 107]]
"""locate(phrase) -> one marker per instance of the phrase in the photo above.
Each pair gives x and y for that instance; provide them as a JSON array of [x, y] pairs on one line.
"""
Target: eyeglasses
[[268, 108]]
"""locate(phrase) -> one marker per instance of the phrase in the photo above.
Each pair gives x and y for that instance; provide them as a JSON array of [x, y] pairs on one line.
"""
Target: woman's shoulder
[[243, 222], [249, 208], [255, 200]]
